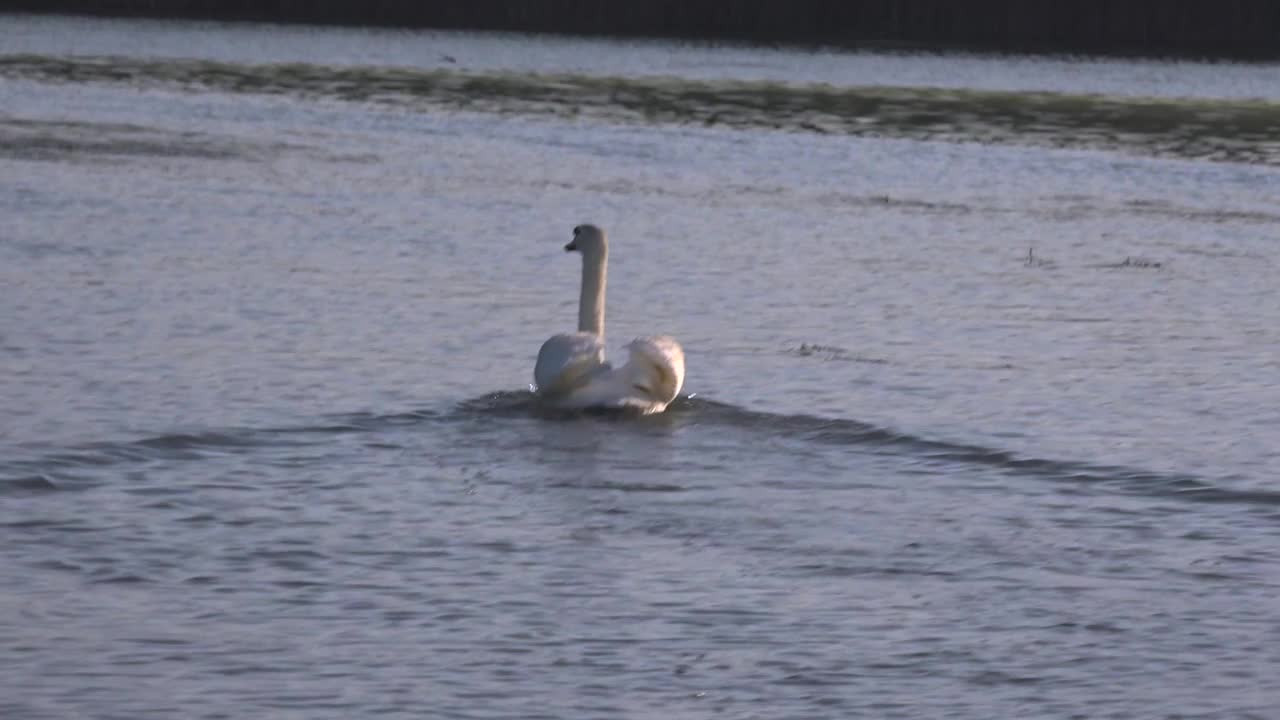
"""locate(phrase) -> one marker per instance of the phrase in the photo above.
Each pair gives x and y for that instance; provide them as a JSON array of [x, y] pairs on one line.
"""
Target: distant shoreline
[[1235, 30]]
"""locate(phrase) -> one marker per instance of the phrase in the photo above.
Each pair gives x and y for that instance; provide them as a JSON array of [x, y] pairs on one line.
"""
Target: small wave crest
[[67, 468], [56, 139]]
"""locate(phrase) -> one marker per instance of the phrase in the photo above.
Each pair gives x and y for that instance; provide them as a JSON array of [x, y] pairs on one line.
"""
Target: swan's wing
[[571, 372], [655, 370], [567, 362]]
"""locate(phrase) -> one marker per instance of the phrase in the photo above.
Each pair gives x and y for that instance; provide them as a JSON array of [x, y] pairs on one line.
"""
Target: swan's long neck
[[591, 304]]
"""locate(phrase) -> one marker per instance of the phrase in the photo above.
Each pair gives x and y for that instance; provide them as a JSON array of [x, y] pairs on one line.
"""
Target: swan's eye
[[577, 230]]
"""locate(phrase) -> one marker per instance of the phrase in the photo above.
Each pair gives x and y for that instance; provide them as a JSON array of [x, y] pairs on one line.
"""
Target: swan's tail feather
[[656, 367]]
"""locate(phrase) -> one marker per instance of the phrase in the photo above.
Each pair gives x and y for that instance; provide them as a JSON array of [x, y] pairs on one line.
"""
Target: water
[[266, 448]]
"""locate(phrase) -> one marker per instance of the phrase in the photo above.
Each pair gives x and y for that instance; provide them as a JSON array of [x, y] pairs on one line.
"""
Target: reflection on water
[[1235, 130], [488, 53]]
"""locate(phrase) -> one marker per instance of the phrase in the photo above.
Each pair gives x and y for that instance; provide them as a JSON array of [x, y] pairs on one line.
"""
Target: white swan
[[571, 371]]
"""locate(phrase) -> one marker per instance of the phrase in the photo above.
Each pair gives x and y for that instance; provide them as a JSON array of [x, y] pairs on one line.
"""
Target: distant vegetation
[[1237, 29]]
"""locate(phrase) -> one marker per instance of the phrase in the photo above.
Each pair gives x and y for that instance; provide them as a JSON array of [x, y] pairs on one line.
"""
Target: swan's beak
[[573, 245]]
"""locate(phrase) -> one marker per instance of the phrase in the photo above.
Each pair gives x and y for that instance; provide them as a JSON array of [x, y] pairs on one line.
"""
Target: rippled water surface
[[983, 415]]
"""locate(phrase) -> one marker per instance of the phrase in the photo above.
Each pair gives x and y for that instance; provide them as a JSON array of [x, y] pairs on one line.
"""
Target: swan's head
[[588, 240]]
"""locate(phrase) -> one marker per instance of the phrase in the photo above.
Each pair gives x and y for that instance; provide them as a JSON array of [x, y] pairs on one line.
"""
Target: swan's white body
[[571, 371]]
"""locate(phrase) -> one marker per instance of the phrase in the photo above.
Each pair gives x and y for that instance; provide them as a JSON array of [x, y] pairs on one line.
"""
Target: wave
[[1225, 130], [24, 138], [57, 471]]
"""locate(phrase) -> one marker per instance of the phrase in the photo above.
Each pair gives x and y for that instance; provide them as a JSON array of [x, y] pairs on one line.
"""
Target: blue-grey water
[[983, 413]]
